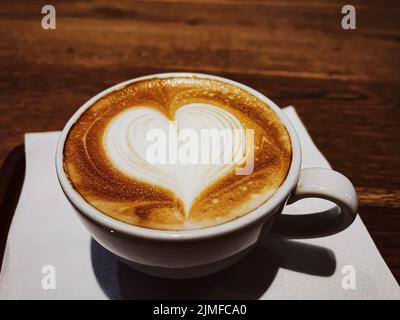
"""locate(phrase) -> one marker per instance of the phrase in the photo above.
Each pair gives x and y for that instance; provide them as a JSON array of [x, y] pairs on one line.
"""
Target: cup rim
[[262, 212]]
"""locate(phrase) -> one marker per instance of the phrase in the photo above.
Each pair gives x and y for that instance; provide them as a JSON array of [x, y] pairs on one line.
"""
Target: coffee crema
[[105, 154]]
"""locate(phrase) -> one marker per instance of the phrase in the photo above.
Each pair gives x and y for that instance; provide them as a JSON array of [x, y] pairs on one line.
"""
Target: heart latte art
[[126, 142], [146, 154]]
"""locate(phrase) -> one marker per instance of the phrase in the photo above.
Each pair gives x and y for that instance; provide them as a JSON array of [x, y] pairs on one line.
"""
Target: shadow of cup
[[250, 278]]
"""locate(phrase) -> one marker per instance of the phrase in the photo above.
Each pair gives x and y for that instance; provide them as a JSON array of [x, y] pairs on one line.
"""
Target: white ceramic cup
[[194, 253]]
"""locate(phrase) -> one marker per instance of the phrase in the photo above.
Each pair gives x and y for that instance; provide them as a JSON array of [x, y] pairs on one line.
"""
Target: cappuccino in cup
[[177, 153]]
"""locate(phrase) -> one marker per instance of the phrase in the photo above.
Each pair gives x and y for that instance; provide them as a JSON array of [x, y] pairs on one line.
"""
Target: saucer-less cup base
[[178, 259], [194, 253], [189, 272]]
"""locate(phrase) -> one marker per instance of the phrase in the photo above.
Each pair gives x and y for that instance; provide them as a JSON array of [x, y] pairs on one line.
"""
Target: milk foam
[[126, 142]]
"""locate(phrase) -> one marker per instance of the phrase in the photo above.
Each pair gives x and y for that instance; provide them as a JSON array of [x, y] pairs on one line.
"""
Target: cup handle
[[326, 184]]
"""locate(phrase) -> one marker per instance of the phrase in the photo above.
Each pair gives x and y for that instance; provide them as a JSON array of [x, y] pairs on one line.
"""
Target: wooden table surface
[[344, 83]]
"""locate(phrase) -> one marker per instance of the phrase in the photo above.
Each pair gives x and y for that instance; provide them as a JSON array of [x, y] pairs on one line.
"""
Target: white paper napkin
[[48, 247]]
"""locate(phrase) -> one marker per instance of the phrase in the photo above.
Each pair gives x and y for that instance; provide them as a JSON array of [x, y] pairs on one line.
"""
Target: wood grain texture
[[344, 83]]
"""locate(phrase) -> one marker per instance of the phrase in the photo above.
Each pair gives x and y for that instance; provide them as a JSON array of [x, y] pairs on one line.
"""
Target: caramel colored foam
[[128, 199]]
